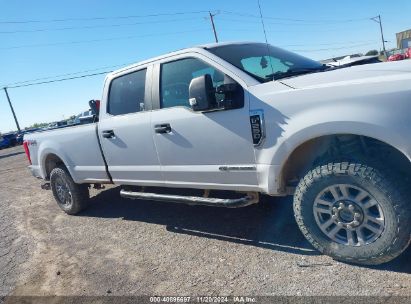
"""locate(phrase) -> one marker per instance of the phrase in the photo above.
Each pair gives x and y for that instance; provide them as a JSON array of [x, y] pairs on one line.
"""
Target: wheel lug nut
[[335, 209], [349, 226], [351, 207], [356, 222], [334, 217], [341, 205], [357, 215], [339, 224]]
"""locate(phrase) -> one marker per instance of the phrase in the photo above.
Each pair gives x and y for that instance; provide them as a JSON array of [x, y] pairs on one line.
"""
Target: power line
[[100, 18], [336, 43], [57, 80], [66, 74], [269, 31], [273, 23], [95, 26], [99, 40], [180, 13], [334, 49], [297, 20]]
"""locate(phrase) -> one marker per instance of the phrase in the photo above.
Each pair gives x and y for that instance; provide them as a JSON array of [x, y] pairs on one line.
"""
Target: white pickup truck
[[252, 120]]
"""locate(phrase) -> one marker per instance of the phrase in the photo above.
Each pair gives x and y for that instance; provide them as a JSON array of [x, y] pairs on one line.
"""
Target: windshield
[[266, 62]]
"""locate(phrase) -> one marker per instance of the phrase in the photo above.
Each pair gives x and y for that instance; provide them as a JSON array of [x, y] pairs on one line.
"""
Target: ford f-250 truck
[[253, 120]]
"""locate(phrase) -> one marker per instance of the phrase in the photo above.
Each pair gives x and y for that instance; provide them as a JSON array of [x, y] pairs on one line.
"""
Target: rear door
[[202, 149], [125, 130]]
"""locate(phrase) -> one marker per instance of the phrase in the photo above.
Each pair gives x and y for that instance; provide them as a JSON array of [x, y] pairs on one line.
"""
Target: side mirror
[[94, 106], [95, 109], [201, 93]]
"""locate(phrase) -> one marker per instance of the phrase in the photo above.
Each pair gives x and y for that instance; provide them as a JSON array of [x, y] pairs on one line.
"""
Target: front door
[[201, 149]]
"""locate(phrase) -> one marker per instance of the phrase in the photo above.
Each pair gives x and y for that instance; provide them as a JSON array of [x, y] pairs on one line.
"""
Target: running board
[[249, 199]]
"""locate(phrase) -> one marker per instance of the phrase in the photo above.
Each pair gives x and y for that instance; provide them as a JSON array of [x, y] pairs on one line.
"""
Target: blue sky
[[41, 48]]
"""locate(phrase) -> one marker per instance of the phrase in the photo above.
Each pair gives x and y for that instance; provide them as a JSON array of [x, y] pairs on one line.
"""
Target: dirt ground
[[125, 247]]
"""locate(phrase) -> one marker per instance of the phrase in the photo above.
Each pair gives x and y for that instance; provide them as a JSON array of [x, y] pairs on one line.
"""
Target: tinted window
[[176, 77], [127, 93]]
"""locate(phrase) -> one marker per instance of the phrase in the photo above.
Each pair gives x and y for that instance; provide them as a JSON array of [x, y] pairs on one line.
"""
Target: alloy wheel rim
[[349, 215], [63, 192]]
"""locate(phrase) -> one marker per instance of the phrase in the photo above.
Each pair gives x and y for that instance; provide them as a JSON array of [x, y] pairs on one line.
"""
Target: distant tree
[[371, 53], [37, 125]]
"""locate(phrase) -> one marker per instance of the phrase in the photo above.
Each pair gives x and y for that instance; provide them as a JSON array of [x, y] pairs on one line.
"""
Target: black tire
[[385, 189], [77, 198]]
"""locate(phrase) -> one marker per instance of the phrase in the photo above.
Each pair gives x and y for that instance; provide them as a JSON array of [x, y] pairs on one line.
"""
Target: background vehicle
[[396, 57], [20, 135], [57, 124], [254, 120], [399, 54], [8, 140], [353, 60], [84, 117], [4, 143]]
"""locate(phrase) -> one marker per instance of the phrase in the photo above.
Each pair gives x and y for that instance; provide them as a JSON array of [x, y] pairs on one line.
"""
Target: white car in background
[[352, 60]]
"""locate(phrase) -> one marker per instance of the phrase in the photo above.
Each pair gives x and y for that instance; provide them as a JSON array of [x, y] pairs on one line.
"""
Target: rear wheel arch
[[52, 161]]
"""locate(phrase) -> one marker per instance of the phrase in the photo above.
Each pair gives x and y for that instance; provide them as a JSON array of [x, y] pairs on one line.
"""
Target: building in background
[[404, 39]]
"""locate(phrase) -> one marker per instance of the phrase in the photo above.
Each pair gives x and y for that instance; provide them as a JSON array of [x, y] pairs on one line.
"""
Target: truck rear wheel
[[353, 213], [71, 197]]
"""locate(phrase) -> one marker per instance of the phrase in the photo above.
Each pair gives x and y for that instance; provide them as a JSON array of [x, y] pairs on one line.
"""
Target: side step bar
[[249, 199]]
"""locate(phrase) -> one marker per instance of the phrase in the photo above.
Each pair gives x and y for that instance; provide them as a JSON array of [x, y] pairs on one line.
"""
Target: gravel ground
[[124, 247]]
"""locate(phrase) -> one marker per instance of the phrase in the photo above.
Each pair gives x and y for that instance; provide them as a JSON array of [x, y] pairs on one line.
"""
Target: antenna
[[265, 35]]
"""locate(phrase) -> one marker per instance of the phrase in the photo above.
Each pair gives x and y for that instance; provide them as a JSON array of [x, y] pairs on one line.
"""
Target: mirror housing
[[95, 108], [201, 93]]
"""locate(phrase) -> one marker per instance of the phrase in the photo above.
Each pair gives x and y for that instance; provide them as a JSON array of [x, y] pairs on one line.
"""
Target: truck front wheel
[[71, 197], [353, 213]]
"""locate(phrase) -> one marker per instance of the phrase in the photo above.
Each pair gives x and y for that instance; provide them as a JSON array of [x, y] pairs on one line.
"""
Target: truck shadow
[[268, 225], [11, 154]]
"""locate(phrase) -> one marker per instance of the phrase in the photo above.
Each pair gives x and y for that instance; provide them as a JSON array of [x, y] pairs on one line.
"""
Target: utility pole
[[212, 23], [378, 20], [12, 110]]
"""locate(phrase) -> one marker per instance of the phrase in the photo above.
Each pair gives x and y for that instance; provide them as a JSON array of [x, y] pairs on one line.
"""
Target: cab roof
[[185, 50]]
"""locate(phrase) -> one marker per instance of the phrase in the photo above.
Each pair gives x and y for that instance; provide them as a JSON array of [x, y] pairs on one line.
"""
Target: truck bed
[[77, 146]]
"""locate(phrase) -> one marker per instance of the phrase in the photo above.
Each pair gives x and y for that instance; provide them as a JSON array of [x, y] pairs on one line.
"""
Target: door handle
[[108, 133], [163, 128]]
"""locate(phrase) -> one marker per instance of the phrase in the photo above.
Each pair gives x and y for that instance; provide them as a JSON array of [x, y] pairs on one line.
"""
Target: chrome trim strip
[[237, 168]]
